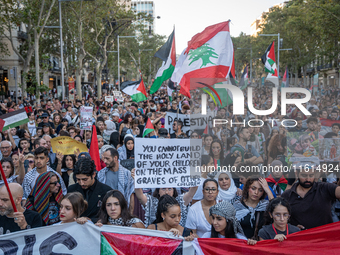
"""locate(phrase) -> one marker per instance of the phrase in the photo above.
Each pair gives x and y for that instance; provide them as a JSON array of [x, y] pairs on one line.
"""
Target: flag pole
[[8, 190]]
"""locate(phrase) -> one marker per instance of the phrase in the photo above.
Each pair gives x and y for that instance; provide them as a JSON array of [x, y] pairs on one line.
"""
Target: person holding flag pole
[[13, 217]]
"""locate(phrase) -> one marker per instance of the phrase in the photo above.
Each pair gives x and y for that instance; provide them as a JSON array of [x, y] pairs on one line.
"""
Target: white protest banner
[[171, 117], [118, 96], [109, 99], [73, 238], [167, 162], [86, 113]]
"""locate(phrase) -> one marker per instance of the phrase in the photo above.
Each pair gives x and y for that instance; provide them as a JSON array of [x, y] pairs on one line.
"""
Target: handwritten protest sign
[[109, 99], [86, 117], [66, 145], [118, 96], [171, 163]]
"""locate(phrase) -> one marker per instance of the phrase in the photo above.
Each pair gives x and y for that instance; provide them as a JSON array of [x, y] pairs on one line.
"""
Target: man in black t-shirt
[[11, 221], [92, 190]]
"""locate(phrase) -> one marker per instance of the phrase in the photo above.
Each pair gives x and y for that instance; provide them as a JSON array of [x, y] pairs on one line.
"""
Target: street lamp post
[[251, 62], [132, 36]]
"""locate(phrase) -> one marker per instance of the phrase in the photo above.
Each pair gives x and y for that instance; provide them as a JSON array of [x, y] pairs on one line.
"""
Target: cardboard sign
[[67, 146], [162, 163], [171, 117], [109, 99]]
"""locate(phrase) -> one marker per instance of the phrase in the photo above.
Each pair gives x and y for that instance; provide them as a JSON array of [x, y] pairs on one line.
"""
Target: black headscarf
[[129, 153]]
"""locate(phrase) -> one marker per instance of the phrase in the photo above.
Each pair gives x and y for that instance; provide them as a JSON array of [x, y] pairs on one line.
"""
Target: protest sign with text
[[171, 117], [167, 163], [86, 117]]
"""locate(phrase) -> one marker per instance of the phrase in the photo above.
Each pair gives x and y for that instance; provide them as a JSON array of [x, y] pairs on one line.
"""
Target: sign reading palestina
[[67, 146]]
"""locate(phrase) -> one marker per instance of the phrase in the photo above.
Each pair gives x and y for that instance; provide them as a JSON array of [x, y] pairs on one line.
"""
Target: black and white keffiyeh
[[120, 222], [242, 211], [227, 211]]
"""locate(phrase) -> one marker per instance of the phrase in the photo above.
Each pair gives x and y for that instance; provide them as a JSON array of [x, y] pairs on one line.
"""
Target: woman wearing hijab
[[127, 151], [226, 187]]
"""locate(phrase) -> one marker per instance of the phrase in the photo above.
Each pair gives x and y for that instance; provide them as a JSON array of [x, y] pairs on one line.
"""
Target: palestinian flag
[[282, 182], [14, 119], [209, 55], [218, 94], [120, 244], [148, 128], [268, 59], [244, 78], [135, 89], [285, 79], [167, 53]]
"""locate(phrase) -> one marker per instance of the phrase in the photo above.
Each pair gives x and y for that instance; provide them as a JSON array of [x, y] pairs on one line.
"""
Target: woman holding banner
[[168, 216], [276, 221], [150, 203], [114, 211], [224, 223]]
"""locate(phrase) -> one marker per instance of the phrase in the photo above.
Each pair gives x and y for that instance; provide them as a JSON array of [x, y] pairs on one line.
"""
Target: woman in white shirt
[[198, 219]]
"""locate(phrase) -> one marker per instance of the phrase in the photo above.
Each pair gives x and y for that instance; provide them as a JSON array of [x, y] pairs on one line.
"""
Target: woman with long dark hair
[[67, 166], [114, 211], [276, 221], [217, 153], [168, 217], [250, 209]]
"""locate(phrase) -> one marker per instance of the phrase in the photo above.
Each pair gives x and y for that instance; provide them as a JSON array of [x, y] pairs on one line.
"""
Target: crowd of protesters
[[51, 188]]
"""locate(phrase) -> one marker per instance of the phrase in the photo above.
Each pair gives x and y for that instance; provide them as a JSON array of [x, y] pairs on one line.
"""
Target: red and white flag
[[209, 55]]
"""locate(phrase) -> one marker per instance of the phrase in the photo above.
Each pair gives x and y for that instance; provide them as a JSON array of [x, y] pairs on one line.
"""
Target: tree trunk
[[37, 67], [99, 83], [78, 76]]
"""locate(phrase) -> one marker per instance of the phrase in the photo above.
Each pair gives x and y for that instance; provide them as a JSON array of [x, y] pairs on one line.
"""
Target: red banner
[[122, 244], [328, 122], [315, 241]]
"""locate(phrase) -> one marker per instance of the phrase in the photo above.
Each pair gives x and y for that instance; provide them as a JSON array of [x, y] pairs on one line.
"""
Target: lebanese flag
[[135, 89], [314, 241], [148, 128], [209, 55], [167, 53], [285, 79], [94, 149], [268, 59]]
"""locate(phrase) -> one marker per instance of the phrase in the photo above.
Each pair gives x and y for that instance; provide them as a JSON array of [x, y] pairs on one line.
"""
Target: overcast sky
[[192, 16]]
